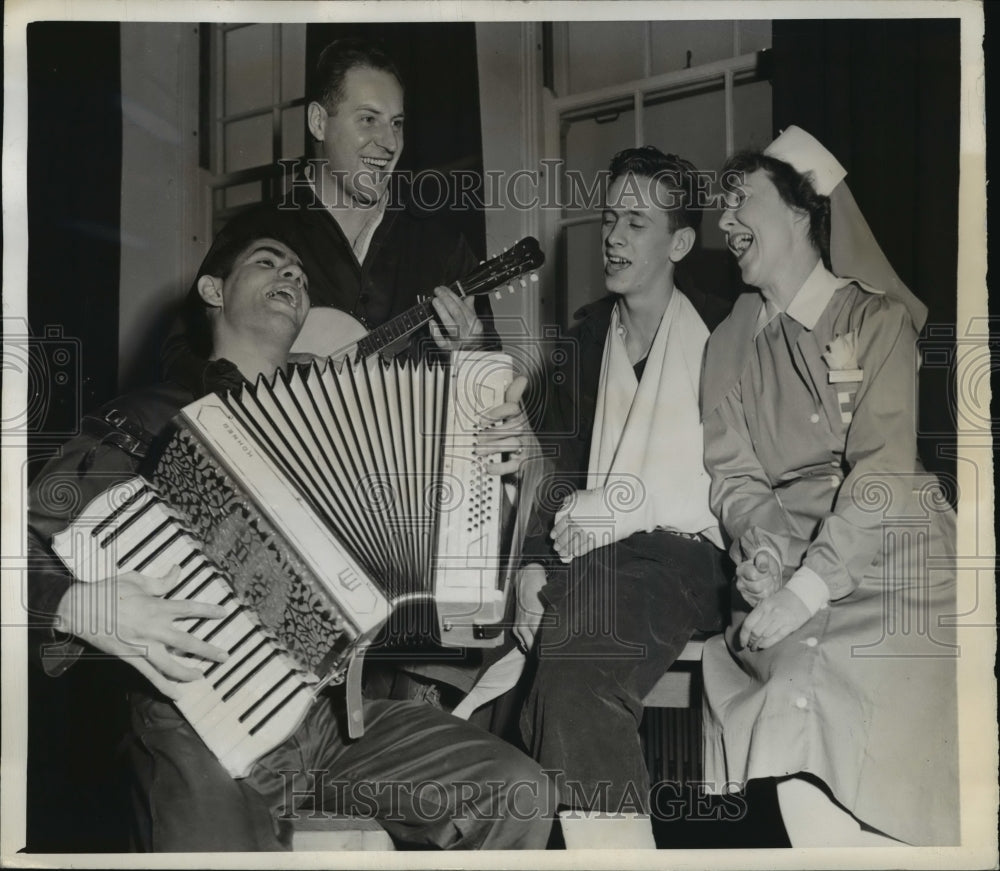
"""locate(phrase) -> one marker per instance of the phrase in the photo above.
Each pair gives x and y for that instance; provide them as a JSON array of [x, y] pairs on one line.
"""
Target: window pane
[[242, 194], [604, 53], [752, 115], [293, 132], [693, 127], [293, 61], [248, 65], [590, 145], [248, 143], [706, 40]]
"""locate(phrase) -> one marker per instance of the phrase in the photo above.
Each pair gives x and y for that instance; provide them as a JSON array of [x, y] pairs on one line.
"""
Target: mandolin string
[[522, 258]]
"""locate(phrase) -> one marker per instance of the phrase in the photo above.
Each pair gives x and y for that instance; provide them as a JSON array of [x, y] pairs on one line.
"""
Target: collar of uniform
[[808, 303]]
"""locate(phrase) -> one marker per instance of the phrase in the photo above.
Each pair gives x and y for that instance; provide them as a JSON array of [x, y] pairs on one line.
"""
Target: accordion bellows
[[353, 480]]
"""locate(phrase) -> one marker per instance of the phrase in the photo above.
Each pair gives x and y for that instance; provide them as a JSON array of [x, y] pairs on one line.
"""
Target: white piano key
[[245, 684], [217, 680]]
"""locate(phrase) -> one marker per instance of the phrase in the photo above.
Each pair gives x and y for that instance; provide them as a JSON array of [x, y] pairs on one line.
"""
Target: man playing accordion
[[250, 300]]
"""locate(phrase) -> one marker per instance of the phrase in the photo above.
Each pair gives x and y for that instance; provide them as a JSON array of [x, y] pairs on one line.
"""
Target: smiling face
[[764, 233], [264, 298], [640, 249], [362, 138]]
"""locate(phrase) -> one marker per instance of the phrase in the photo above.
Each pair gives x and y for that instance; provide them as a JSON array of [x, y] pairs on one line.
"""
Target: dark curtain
[[74, 207], [442, 131], [991, 16], [883, 96]]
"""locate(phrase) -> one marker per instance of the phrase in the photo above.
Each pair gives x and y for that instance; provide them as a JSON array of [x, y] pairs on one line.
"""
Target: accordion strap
[[352, 693], [116, 428]]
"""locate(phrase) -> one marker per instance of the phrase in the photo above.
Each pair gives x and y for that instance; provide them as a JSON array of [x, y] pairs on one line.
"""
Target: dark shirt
[[566, 426], [110, 449], [639, 368], [409, 255]]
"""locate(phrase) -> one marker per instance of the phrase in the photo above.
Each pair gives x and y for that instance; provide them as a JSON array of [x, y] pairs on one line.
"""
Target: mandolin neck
[[509, 265], [393, 330]]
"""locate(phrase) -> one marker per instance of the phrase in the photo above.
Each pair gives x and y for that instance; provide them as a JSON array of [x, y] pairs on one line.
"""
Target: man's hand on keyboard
[[128, 617]]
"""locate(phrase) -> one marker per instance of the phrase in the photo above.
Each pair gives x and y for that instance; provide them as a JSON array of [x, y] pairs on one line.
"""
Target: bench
[[330, 833], [677, 689]]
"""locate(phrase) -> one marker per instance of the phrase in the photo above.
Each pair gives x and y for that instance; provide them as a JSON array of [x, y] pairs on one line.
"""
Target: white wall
[[509, 60], [161, 212]]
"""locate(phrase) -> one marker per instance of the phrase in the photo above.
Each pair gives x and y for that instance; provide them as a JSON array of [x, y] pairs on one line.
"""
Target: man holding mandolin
[[367, 257]]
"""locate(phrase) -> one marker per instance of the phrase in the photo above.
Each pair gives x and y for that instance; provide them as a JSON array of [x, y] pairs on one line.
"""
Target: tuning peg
[[497, 293], [510, 288], [534, 276], [521, 279]]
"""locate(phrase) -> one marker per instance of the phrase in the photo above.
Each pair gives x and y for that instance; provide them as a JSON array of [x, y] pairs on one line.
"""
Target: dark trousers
[[615, 620], [429, 778]]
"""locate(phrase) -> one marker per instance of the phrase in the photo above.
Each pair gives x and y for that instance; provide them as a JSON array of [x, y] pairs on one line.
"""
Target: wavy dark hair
[[326, 80], [796, 191], [263, 221], [676, 174]]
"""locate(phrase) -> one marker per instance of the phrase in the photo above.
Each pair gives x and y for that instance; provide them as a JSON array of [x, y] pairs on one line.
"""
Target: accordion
[[313, 506]]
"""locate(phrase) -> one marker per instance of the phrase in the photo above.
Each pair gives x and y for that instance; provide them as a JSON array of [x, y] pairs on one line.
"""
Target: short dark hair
[[326, 80], [678, 175], [796, 191], [263, 221]]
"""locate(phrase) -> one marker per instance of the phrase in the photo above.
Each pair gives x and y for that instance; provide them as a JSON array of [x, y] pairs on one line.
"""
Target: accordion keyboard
[[241, 708]]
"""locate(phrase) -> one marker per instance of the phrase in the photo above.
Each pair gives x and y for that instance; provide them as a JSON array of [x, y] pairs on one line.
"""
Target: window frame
[[214, 121]]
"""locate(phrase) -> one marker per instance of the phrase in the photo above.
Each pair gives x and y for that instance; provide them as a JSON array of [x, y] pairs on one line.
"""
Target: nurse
[[836, 676]]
